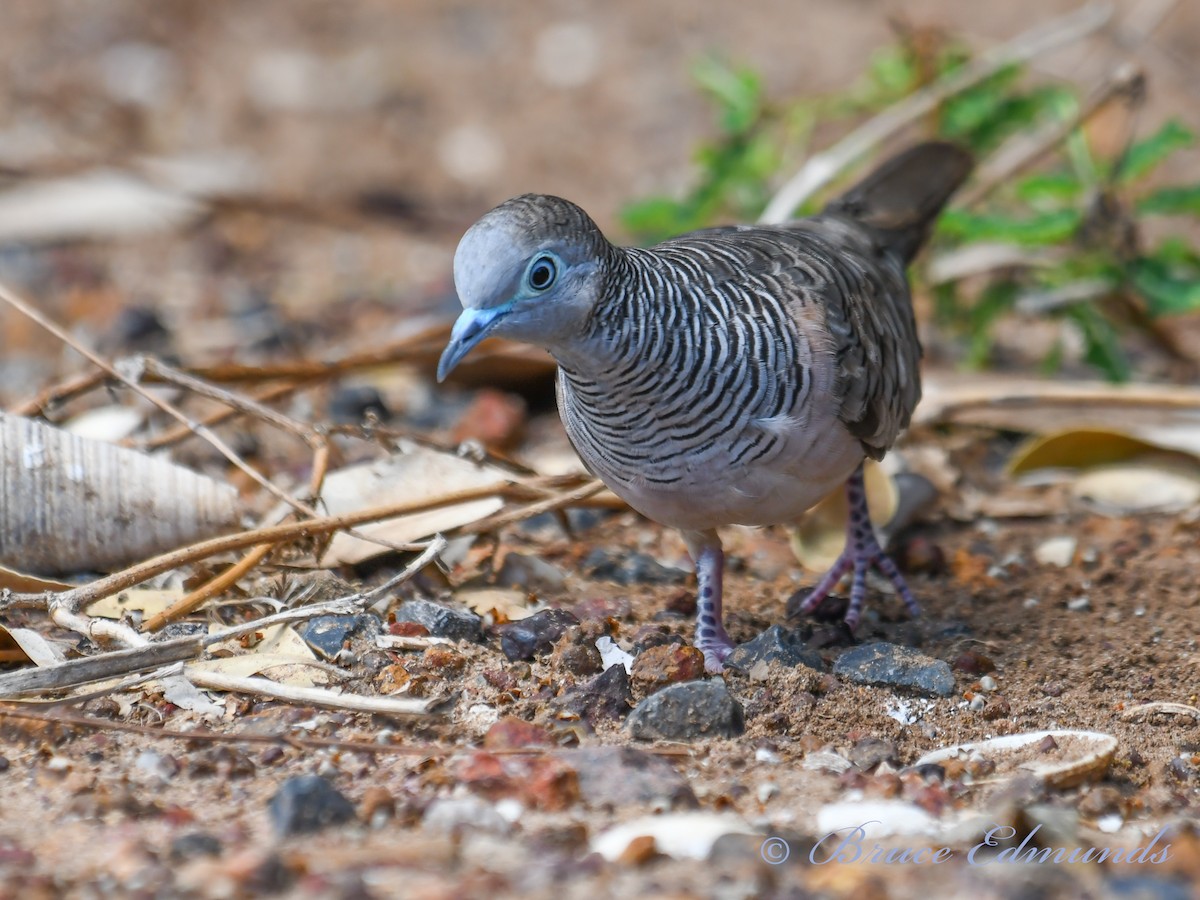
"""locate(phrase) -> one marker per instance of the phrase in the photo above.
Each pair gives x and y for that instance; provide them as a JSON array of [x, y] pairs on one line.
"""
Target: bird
[[731, 375]]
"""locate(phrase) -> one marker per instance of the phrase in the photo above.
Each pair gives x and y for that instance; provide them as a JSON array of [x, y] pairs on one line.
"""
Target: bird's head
[[530, 270]]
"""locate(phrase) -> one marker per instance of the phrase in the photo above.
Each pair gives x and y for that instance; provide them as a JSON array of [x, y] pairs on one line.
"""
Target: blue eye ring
[[542, 273]]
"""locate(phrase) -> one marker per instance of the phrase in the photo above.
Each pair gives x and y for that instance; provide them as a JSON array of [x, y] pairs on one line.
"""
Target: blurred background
[[217, 180]]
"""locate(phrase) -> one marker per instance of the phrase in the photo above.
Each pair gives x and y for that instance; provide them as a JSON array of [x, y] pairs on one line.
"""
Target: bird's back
[[742, 372]]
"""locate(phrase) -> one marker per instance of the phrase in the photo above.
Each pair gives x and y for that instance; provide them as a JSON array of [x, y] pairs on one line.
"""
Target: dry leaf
[[819, 536], [503, 604], [21, 583], [415, 474], [21, 645], [147, 601], [68, 504], [1080, 448], [1138, 488]]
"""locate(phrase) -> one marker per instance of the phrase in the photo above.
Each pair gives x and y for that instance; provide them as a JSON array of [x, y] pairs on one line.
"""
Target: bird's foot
[[862, 552], [715, 649]]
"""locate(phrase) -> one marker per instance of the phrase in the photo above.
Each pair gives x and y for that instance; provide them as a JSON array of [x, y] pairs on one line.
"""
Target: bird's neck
[[621, 327]]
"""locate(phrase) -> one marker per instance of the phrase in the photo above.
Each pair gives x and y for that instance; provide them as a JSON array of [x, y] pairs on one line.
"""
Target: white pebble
[[1079, 604], [1058, 551], [987, 683]]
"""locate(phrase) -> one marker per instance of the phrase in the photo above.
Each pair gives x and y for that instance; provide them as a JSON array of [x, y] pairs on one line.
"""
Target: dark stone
[[901, 667], [327, 635], [870, 752], [607, 696], [537, 634], [193, 845], [441, 621], [352, 405], [684, 712], [629, 568], [308, 803], [776, 644], [622, 776]]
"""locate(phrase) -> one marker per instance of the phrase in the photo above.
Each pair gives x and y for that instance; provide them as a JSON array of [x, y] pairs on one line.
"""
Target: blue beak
[[471, 328]]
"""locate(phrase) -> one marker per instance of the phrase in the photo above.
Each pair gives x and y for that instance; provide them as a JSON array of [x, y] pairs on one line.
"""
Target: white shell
[[1081, 755], [68, 504]]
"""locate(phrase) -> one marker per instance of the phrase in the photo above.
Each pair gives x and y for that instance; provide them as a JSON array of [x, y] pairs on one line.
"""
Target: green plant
[[1077, 219]]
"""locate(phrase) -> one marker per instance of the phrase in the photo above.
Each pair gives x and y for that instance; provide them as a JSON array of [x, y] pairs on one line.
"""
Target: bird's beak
[[471, 328]]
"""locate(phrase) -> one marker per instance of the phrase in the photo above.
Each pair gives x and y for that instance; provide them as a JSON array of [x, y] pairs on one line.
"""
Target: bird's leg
[[711, 639], [862, 551]]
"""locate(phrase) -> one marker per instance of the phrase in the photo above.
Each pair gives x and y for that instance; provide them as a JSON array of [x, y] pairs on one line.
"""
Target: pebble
[[688, 711], [536, 634], [575, 655], [657, 667], [327, 635], [987, 683], [1079, 604], [441, 621], [607, 696], [308, 803], [194, 844], [871, 751], [160, 766], [625, 776], [629, 568], [1057, 551], [531, 574], [511, 733], [352, 404], [453, 814], [895, 666], [776, 644]]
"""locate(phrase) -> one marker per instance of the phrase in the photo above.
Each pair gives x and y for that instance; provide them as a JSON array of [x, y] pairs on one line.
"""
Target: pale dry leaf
[[504, 604], [417, 473], [148, 601]]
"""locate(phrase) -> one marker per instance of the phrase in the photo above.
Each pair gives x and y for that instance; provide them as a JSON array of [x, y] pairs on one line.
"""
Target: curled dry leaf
[[68, 504], [1139, 488], [503, 604], [413, 474], [1058, 758], [819, 536]]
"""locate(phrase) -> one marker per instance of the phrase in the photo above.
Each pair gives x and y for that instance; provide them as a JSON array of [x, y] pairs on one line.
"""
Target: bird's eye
[[542, 274]]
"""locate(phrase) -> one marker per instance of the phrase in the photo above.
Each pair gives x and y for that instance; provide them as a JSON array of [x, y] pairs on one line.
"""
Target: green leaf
[[1165, 291], [738, 92], [1102, 347], [1041, 228], [1049, 188], [1144, 156], [1183, 200]]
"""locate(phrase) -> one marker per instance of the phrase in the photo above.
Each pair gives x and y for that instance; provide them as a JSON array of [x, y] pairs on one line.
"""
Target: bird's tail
[[901, 199]]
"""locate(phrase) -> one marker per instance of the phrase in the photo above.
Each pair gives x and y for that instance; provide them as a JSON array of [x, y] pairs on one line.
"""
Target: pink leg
[[711, 638], [862, 551]]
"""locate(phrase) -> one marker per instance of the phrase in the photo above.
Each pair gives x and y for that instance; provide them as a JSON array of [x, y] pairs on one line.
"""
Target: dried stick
[[201, 735], [1128, 82], [824, 167], [77, 598], [178, 433], [21, 305], [313, 696]]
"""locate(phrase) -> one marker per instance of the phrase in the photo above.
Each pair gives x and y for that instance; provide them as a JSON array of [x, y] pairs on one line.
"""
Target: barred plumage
[[732, 375]]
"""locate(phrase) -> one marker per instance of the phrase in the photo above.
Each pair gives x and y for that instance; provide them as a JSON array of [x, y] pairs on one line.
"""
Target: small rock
[[1079, 604], [658, 667], [530, 574], [442, 621], [511, 733], [537, 634], [378, 805], [194, 844], [987, 683], [629, 568], [921, 556], [623, 775], [494, 419], [160, 766], [308, 803], [973, 663], [328, 635], [648, 636], [1058, 551], [871, 751], [902, 667], [776, 644], [352, 404], [683, 712], [574, 655], [607, 696], [453, 814], [442, 659]]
